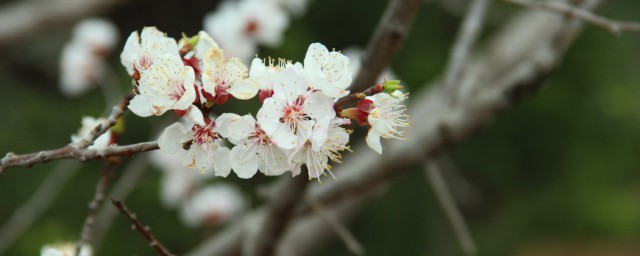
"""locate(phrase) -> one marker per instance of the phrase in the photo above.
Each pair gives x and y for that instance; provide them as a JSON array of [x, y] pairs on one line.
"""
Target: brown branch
[[101, 188], [71, 152], [386, 40], [614, 27], [144, 231], [79, 150], [131, 175], [354, 97], [279, 213]]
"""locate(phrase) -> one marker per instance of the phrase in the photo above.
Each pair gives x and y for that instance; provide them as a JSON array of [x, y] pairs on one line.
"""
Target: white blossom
[[167, 84], [88, 125], [213, 204], [222, 77], [316, 155], [240, 26], [100, 35], [254, 150], [65, 249], [80, 69], [201, 143], [386, 117], [327, 71], [82, 64], [293, 111], [195, 57], [140, 52]]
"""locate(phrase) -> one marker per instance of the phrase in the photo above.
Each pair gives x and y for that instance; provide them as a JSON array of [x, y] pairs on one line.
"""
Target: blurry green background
[[558, 174]]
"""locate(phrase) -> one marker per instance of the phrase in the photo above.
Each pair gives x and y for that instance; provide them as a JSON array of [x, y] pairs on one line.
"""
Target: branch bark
[[386, 41], [143, 230], [615, 27], [71, 152]]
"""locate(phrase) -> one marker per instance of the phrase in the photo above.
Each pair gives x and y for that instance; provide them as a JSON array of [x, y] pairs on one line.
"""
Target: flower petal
[[244, 162], [172, 138], [141, 106], [373, 141], [189, 95], [131, 52], [244, 89], [221, 162]]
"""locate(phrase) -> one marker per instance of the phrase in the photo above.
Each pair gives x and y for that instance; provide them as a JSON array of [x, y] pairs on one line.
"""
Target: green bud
[[391, 86], [118, 128]]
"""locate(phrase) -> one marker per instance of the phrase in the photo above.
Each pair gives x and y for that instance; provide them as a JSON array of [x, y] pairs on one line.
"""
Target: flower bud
[[391, 86]]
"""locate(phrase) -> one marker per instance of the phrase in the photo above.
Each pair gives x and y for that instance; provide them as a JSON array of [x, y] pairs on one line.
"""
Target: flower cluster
[[82, 62], [299, 123]]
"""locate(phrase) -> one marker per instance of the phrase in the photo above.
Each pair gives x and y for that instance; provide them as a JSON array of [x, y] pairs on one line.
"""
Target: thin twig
[[279, 213], [70, 152], [79, 150], [21, 19], [24, 216], [341, 230], [354, 97], [116, 112], [465, 39], [101, 188], [131, 174], [390, 33], [451, 210], [614, 27], [143, 230]]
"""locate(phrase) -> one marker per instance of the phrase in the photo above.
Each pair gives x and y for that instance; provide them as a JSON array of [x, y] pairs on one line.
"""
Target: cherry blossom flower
[[212, 205], [167, 84], [316, 155], [88, 124], [254, 150], [327, 71], [100, 35], [140, 52], [224, 77], [80, 69], [65, 249], [201, 143], [387, 116], [240, 26], [293, 111], [263, 73], [82, 64], [195, 54]]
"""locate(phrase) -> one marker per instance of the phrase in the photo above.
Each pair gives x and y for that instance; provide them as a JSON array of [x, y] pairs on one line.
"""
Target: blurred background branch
[[21, 19]]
